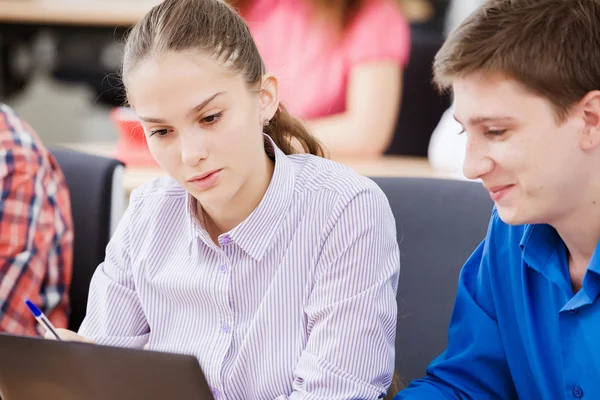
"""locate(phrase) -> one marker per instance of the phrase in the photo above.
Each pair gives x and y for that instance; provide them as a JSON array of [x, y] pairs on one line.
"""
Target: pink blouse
[[312, 66]]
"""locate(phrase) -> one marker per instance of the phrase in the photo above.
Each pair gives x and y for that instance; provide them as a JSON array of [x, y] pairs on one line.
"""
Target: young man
[[526, 323], [36, 231]]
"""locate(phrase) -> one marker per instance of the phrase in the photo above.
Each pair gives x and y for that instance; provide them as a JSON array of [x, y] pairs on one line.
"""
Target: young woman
[[278, 271], [339, 65]]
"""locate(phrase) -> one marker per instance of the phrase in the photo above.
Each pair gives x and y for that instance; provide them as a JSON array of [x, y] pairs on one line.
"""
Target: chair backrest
[[421, 106], [439, 224], [96, 203]]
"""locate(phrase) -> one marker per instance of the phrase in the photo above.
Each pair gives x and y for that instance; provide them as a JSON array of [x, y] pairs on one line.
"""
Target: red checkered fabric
[[36, 230]]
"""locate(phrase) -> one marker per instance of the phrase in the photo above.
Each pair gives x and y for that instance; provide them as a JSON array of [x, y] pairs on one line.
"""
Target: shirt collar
[[544, 251], [538, 243], [195, 223], [254, 235], [591, 281], [591, 284], [595, 260]]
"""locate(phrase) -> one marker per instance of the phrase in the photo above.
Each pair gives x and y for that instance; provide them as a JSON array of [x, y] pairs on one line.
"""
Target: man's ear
[[590, 107]]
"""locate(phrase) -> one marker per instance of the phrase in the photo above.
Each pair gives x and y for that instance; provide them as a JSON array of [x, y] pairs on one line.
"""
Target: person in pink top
[[339, 67]]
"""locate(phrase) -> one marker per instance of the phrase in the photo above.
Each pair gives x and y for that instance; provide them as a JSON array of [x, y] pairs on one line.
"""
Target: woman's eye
[[212, 118], [495, 132]]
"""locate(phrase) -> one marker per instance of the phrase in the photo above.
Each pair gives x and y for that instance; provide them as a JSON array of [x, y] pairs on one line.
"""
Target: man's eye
[[159, 132]]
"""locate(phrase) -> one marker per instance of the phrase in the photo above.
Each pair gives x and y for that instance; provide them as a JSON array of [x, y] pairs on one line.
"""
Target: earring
[[266, 122]]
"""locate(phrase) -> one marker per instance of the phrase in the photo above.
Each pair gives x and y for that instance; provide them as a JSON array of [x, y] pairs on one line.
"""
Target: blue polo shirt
[[517, 329]]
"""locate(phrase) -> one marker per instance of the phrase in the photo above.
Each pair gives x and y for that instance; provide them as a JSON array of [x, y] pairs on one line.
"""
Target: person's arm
[[31, 265], [474, 364], [377, 48], [352, 308], [114, 313], [372, 104]]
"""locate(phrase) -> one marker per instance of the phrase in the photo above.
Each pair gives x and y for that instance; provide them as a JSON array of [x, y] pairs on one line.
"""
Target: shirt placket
[[225, 312], [568, 332]]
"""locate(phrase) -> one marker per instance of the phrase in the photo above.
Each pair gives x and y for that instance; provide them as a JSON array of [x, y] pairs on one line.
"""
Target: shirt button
[[574, 311], [226, 240], [578, 392], [223, 268], [216, 393], [225, 328]]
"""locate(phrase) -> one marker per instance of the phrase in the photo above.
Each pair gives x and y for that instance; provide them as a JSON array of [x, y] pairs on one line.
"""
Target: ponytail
[[291, 136], [213, 26]]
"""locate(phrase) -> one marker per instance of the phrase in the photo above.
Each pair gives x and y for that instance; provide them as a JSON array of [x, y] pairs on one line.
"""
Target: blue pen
[[41, 318]]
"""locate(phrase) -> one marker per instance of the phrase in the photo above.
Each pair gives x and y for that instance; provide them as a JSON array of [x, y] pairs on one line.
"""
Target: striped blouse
[[297, 302]]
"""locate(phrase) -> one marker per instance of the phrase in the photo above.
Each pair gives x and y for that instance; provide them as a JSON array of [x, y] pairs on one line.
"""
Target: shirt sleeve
[[35, 235], [114, 314], [352, 308], [379, 32], [474, 364]]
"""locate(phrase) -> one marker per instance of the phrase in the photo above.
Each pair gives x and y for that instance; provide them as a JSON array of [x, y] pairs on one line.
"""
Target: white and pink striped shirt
[[297, 302]]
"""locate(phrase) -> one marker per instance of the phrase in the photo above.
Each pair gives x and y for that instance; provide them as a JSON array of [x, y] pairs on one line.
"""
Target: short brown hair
[[551, 47], [214, 27]]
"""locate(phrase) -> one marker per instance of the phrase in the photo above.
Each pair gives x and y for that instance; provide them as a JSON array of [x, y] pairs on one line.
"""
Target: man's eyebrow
[[477, 120]]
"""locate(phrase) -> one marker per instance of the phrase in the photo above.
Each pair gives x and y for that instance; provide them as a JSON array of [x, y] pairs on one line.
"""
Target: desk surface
[[75, 12], [117, 12], [373, 167]]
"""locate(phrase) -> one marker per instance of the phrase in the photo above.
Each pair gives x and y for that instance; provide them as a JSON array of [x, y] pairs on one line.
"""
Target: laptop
[[40, 369]]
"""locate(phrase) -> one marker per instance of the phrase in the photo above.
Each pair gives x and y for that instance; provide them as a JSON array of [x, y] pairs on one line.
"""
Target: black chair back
[[90, 182], [440, 223]]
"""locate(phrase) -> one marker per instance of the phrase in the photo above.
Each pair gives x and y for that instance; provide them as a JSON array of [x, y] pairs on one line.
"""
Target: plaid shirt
[[36, 230]]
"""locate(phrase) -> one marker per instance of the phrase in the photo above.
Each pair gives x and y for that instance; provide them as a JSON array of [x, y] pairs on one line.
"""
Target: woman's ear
[[269, 97]]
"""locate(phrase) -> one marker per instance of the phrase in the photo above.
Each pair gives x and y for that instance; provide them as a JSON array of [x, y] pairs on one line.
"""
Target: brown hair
[[341, 11], [551, 47], [214, 27]]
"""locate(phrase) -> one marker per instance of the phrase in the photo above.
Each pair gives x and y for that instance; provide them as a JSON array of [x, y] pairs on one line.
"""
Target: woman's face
[[202, 122]]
